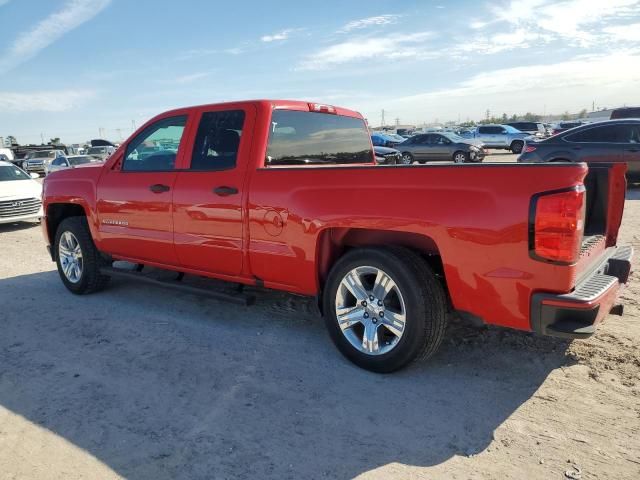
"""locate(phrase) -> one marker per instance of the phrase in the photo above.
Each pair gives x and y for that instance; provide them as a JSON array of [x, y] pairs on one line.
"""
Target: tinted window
[[59, 162], [218, 140], [79, 160], [43, 155], [604, 134], [156, 147], [625, 113], [490, 130], [317, 138]]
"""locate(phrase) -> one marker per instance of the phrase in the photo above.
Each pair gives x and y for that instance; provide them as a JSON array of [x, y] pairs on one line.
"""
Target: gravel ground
[[140, 382]]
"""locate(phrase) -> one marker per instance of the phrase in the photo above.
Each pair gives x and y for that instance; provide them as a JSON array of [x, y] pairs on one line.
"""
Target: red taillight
[[320, 108], [529, 149], [558, 225]]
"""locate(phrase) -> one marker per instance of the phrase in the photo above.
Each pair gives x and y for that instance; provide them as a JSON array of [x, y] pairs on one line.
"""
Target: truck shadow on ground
[[17, 226], [163, 385]]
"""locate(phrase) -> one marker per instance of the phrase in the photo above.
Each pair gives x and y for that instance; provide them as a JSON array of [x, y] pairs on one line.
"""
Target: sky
[[80, 69]]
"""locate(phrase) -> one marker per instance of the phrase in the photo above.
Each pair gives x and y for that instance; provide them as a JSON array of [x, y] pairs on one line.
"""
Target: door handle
[[225, 191], [159, 188]]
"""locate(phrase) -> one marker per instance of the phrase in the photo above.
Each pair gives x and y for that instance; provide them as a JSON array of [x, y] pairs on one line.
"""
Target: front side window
[[302, 138], [156, 147], [218, 140]]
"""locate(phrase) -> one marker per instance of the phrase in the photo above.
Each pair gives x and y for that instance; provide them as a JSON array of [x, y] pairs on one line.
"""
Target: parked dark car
[[564, 126], [440, 146], [612, 141], [625, 112], [387, 156], [534, 128]]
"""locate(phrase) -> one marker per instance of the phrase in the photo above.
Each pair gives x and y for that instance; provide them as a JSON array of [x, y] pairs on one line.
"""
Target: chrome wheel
[[70, 255], [370, 310], [406, 159], [459, 158]]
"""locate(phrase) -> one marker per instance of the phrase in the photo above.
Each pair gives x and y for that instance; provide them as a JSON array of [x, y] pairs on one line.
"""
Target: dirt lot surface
[[140, 382]]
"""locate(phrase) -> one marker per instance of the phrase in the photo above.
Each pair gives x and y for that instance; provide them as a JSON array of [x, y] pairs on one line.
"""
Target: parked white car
[[20, 195], [70, 161]]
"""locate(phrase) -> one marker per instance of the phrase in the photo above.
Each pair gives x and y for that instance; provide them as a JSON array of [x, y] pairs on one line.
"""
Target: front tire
[[407, 159], [460, 157], [384, 308], [517, 146], [77, 257]]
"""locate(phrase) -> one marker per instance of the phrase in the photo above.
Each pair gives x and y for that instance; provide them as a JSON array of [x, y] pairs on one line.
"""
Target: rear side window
[[307, 138], [490, 130], [604, 134], [218, 140], [626, 113]]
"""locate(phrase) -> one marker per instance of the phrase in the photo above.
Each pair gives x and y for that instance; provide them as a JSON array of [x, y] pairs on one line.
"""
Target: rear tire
[[423, 308], [517, 146], [75, 231]]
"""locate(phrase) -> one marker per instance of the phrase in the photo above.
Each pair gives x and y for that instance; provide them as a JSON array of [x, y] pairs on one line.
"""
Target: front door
[[209, 192], [135, 195]]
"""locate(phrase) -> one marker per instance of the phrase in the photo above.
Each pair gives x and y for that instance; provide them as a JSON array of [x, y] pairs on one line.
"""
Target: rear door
[[439, 147], [135, 194], [602, 143], [209, 191]]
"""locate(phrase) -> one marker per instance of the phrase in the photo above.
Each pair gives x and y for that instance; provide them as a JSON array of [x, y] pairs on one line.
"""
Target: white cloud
[[624, 33], [4, 2], [521, 89], [369, 22], [277, 37], [390, 47], [28, 44], [44, 101], [573, 20]]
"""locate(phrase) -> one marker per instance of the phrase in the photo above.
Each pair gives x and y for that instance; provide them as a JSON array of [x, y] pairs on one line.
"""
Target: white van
[[7, 152]]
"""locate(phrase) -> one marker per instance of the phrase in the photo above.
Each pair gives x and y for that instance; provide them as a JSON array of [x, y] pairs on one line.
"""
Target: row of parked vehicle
[[47, 161], [612, 141]]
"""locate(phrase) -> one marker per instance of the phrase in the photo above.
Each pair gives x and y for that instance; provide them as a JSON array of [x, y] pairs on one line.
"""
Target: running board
[[237, 298]]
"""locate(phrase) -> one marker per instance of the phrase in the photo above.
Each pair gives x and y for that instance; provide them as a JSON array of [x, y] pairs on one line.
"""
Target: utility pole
[[382, 118], [397, 121], [133, 124], [42, 138], [488, 114], [593, 106]]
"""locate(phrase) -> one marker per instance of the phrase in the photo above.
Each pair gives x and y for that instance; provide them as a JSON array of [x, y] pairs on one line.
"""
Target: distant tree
[[54, 141], [11, 140], [566, 115], [514, 118], [531, 117], [505, 119], [583, 113]]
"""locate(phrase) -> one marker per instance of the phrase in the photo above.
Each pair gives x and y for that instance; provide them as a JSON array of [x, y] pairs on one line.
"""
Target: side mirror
[[34, 175]]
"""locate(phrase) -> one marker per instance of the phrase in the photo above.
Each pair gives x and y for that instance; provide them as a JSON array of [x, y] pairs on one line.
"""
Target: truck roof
[[273, 104]]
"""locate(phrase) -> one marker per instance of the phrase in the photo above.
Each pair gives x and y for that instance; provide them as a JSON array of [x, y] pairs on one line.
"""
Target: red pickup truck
[[286, 195]]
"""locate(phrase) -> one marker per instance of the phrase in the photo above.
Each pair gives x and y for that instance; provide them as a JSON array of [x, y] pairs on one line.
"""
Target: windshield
[[94, 150], [510, 129], [79, 160], [43, 154], [453, 137], [9, 173]]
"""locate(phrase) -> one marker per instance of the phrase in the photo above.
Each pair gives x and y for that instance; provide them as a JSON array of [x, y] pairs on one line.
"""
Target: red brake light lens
[[320, 108], [529, 149], [559, 225]]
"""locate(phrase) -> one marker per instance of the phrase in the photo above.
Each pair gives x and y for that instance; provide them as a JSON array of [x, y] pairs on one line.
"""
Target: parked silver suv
[[501, 136]]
